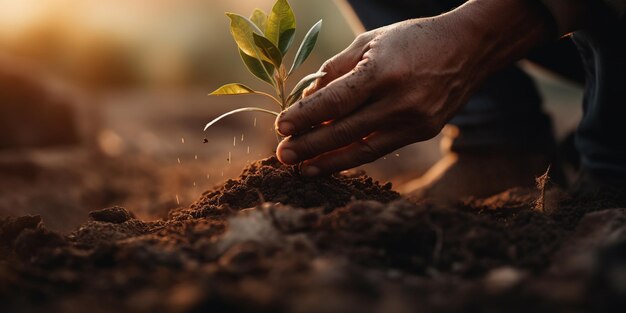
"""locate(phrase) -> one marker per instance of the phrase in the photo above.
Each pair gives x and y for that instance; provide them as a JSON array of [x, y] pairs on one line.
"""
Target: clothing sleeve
[[618, 6]]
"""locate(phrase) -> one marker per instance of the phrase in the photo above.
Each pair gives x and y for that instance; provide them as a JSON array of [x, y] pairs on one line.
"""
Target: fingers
[[361, 152], [334, 68], [341, 63], [325, 137], [339, 98]]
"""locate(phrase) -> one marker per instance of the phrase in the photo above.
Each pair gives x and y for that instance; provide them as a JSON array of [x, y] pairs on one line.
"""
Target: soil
[[273, 241], [270, 181]]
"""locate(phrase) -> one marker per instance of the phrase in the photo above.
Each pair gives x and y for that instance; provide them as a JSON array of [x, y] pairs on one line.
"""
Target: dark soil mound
[[330, 254], [269, 180]]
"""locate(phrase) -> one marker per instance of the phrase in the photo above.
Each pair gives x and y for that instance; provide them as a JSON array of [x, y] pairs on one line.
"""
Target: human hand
[[393, 86], [400, 84]]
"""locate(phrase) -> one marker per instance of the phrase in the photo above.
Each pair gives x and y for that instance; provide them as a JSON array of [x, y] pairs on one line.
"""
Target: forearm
[[503, 31], [496, 33]]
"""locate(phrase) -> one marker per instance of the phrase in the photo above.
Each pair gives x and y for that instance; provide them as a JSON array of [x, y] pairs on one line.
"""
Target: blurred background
[[103, 103]]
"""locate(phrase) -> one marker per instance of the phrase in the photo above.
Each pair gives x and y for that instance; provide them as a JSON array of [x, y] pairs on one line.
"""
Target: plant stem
[[249, 109], [280, 78], [271, 97]]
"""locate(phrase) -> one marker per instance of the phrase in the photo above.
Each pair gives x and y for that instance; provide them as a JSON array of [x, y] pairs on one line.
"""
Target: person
[[401, 83]]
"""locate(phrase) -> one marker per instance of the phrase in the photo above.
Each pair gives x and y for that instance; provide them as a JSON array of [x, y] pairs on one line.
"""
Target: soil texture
[[273, 241]]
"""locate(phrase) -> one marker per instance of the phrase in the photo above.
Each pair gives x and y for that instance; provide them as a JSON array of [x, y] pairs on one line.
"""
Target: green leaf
[[250, 109], [279, 26], [242, 29], [232, 89], [259, 18], [241, 89], [308, 43], [286, 39], [261, 69], [296, 93], [268, 49]]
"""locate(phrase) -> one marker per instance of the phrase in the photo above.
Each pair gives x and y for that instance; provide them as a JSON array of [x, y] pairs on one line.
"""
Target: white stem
[[238, 111]]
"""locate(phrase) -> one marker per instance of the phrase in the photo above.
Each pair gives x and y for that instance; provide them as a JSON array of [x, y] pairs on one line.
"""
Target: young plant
[[263, 42]]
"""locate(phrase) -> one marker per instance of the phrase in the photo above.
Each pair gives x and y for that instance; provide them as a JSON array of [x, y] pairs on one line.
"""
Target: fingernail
[[288, 156], [309, 170], [285, 128]]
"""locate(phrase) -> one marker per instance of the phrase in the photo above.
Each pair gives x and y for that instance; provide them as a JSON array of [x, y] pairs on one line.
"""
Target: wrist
[[500, 32]]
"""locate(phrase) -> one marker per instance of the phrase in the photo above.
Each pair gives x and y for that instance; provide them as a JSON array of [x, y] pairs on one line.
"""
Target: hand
[[393, 86], [400, 84]]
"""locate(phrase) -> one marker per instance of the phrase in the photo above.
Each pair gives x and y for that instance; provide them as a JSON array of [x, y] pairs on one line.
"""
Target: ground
[[273, 241]]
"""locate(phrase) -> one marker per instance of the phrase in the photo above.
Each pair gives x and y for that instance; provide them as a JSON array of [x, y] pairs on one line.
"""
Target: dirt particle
[[115, 215]]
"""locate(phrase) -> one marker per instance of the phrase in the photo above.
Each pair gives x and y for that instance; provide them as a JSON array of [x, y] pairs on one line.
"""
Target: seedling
[[263, 41]]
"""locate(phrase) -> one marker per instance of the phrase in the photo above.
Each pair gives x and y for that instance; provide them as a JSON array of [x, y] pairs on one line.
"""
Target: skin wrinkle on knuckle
[[369, 63], [366, 72], [302, 114], [329, 66], [335, 100], [373, 44], [342, 133], [304, 147], [366, 51], [361, 39]]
